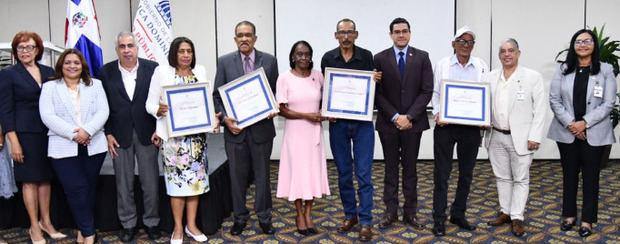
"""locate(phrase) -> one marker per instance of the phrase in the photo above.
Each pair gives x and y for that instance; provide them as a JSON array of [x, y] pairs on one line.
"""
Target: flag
[[82, 32], [153, 30]]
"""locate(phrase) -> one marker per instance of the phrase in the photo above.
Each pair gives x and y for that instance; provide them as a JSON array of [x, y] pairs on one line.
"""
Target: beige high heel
[[55, 236], [36, 242]]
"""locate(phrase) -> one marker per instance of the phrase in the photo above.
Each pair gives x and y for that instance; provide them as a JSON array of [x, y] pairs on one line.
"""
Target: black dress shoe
[[462, 222], [387, 221], [312, 231], [152, 232], [411, 220], [128, 234], [439, 229], [237, 228], [585, 231], [303, 232], [267, 228], [565, 225]]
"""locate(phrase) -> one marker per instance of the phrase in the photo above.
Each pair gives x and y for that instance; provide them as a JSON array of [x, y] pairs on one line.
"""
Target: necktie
[[401, 65], [247, 68]]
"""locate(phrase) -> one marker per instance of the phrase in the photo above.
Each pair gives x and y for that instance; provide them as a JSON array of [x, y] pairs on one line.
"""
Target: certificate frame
[[255, 78], [363, 79], [481, 115], [204, 99]]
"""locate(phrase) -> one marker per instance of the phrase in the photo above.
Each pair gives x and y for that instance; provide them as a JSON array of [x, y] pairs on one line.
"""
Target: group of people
[[64, 119]]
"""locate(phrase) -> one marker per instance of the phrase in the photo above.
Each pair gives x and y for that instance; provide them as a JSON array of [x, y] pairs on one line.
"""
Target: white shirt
[[501, 106], [129, 78], [450, 68], [75, 100]]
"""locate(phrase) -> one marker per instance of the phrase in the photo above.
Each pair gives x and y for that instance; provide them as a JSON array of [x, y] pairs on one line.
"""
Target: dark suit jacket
[[125, 114], [19, 99], [410, 96], [229, 68]]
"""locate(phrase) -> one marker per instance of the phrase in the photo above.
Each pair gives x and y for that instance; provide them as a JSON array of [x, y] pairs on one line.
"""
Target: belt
[[505, 132]]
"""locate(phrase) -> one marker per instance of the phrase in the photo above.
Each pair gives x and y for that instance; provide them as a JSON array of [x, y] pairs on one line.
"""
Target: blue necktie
[[401, 65]]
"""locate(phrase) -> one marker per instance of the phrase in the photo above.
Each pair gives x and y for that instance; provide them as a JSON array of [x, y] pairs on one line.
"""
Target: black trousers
[[467, 140], [575, 157]]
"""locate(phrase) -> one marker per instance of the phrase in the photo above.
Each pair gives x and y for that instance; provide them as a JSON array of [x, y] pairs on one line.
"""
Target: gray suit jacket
[[599, 131], [229, 68]]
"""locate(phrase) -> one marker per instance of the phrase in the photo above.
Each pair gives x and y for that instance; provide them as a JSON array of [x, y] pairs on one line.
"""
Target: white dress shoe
[[176, 241], [198, 238]]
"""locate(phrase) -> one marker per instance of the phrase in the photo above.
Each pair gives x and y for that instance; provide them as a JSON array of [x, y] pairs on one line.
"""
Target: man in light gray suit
[[518, 116], [247, 149]]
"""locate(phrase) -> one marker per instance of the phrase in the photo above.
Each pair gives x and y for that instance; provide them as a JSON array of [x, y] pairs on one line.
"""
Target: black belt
[[505, 132]]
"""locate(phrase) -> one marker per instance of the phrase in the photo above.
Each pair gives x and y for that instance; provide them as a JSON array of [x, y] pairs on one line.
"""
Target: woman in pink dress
[[303, 169]]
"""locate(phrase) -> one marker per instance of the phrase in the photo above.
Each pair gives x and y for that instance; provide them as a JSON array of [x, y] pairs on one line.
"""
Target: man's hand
[[112, 145], [377, 76], [231, 125], [216, 129], [155, 139], [271, 115], [441, 124], [161, 111], [532, 145], [332, 120]]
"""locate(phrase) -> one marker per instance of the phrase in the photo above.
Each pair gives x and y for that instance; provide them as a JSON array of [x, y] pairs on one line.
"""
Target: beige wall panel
[[231, 12], [114, 17], [477, 14], [28, 15]]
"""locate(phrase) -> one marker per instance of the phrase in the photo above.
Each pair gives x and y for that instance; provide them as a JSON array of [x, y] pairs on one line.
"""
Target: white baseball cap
[[463, 30]]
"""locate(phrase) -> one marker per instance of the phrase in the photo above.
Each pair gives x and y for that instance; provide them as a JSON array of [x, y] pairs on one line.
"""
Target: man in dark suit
[[247, 149], [129, 131], [401, 98]]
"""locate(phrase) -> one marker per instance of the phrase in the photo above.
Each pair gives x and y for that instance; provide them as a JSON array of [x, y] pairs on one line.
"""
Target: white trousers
[[512, 172]]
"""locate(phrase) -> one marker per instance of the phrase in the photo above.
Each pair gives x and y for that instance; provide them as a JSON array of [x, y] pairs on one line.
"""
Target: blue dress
[[7, 181]]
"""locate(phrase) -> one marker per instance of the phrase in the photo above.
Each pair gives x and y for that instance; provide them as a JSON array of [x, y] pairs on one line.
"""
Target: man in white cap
[[459, 66]]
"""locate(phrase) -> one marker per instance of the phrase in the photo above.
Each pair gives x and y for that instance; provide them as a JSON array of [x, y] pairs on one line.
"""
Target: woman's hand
[[161, 111], [314, 117], [82, 137], [216, 129], [16, 153]]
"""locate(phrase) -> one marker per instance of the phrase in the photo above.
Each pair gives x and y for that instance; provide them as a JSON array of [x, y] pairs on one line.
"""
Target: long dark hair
[[85, 76], [571, 57]]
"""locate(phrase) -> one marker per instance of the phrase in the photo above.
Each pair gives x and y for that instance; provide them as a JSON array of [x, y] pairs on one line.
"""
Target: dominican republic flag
[[153, 30], [82, 32]]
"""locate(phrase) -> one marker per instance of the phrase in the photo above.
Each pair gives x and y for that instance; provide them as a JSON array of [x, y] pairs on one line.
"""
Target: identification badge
[[520, 95], [598, 91]]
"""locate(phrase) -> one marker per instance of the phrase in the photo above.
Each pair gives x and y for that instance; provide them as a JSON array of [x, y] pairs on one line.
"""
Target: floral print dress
[[185, 160]]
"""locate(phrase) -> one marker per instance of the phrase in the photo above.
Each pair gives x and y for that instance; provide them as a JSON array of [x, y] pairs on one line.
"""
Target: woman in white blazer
[[582, 94], [185, 157], [74, 108]]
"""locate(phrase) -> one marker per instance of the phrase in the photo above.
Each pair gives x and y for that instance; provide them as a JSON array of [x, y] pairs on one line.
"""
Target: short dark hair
[[346, 20], [245, 22], [571, 57], [85, 76], [290, 56], [399, 20], [174, 49], [24, 36]]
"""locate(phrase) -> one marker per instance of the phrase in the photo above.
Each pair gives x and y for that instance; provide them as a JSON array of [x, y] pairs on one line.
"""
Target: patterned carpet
[[542, 213]]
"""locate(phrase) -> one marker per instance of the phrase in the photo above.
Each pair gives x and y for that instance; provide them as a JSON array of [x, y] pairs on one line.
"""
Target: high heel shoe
[[55, 236], [199, 238], [36, 242], [585, 231], [565, 225], [176, 241]]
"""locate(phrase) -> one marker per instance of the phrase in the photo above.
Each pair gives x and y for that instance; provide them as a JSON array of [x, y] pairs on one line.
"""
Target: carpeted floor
[[542, 213]]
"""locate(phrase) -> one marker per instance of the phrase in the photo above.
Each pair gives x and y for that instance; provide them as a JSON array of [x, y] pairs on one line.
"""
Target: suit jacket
[[599, 130], [128, 115], [409, 96], [527, 116], [164, 76], [19, 99], [229, 68], [58, 114]]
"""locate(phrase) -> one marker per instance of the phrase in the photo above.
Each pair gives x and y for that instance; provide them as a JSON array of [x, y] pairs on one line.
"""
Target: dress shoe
[[152, 232], [517, 227], [412, 220], [54, 236], [585, 231], [312, 231], [565, 225], [128, 234], [462, 222], [267, 228], [500, 220], [42, 241], [347, 225], [199, 237], [365, 233], [387, 220], [237, 228], [439, 229], [176, 241]]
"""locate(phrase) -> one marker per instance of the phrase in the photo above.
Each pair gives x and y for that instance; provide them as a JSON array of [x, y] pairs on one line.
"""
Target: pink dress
[[303, 168]]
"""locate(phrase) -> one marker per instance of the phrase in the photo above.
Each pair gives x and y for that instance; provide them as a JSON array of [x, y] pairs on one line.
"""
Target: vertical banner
[[153, 30], [82, 32]]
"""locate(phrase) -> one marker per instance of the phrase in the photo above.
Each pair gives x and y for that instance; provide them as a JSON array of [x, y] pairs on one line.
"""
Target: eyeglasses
[[27, 48], [584, 42], [398, 32], [463, 42], [347, 32]]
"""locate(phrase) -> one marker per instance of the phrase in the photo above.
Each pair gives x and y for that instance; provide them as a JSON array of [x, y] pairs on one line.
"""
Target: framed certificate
[[348, 94], [249, 98], [465, 102], [190, 109]]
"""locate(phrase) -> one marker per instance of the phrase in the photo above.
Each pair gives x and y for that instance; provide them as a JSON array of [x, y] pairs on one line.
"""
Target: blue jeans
[[362, 134]]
